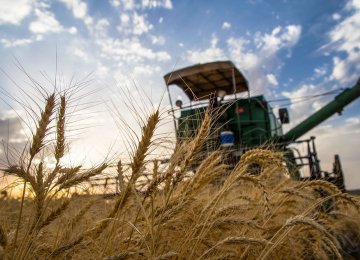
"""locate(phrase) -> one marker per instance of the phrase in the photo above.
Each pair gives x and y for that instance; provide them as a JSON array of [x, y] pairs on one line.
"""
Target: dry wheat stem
[[288, 227], [168, 255], [237, 240], [333, 247], [3, 238]]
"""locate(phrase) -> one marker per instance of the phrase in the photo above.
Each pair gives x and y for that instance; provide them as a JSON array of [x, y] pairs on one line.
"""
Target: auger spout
[[335, 106]]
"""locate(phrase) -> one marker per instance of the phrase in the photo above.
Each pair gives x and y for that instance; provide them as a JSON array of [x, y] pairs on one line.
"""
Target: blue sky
[[286, 49]]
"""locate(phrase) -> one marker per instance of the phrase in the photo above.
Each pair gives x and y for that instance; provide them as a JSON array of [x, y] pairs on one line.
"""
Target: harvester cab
[[244, 122]]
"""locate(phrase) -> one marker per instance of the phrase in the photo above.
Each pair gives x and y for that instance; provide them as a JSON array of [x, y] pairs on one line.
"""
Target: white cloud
[[81, 54], [79, 10], [129, 50], [148, 70], [298, 110], [353, 121], [115, 3], [102, 23], [226, 25], [301, 104], [134, 24], [13, 12], [16, 42], [336, 16], [12, 131], [129, 4], [343, 38], [320, 71], [167, 4], [102, 71], [272, 79], [161, 19], [260, 56], [45, 23], [124, 20], [72, 30], [140, 24], [257, 56], [210, 54], [160, 40], [340, 70], [100, 28], [240, 54], [278, 39], [353, 4]]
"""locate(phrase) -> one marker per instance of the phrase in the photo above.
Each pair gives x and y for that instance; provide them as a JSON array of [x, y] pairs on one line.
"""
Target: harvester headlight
[[221, 93], [178, 103]]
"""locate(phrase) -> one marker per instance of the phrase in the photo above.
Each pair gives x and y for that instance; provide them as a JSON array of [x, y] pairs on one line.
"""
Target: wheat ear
[[193, 147], [327, 186], [60, 131], [264, 158], [42, 128], [54, 214], [290, 223]]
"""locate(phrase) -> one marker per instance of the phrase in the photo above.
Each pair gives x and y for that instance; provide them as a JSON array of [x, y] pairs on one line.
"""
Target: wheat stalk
[[3, 237], [236, 241], [166, 256], [225, 221], [120, 173]]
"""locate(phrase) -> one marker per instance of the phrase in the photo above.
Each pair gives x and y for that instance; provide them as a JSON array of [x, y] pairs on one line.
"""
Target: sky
[[286, 49]]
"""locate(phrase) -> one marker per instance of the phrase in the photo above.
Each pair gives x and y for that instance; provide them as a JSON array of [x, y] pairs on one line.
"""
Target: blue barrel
[[227, 139]]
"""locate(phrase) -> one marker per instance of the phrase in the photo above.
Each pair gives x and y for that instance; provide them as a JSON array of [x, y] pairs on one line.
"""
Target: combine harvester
[[247, 123]]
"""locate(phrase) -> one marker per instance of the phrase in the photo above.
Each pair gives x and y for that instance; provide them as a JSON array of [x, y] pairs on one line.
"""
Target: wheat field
[[215, 213]]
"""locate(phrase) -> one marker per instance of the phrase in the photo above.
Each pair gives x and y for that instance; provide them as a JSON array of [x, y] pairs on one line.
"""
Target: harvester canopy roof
[[201, 80]]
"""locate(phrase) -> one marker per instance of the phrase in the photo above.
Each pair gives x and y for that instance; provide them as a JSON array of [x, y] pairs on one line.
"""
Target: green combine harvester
[[248, 122]]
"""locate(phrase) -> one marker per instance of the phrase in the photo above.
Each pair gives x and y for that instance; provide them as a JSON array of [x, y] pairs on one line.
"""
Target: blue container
[[227, 139]]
